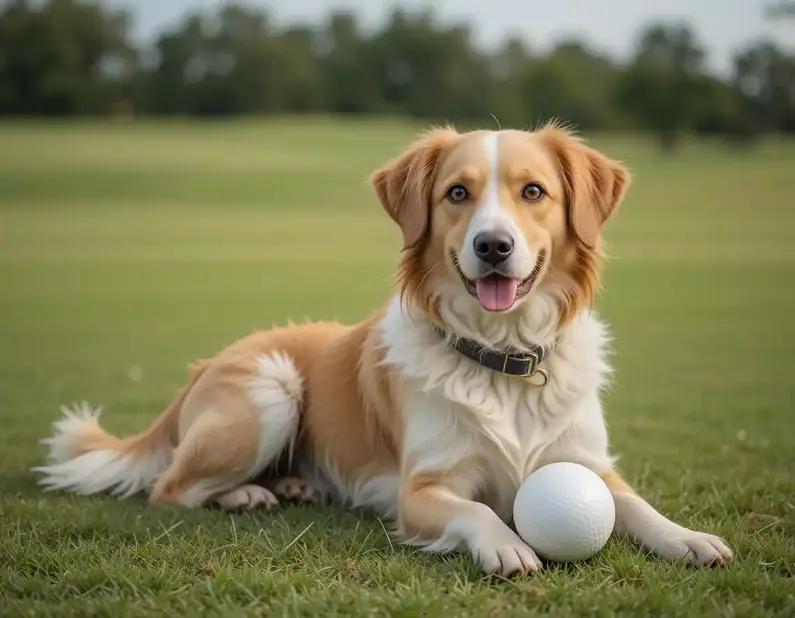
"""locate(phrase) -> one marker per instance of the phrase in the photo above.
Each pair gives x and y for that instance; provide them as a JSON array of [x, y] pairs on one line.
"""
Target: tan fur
[[219, 430], [351, 416], [594, 186], [426, 509], [220, 434], [615, 483], [429, 499], [404, 185], [404, 188]]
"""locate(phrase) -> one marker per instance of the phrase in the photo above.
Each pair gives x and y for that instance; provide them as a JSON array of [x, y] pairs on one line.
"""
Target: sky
[[723, 26]]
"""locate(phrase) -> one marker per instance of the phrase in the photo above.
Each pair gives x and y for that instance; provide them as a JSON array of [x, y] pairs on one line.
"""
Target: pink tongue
[[496, 293]]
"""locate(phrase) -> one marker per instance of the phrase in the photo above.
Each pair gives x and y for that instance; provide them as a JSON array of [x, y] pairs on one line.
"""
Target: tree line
[[76, 57]]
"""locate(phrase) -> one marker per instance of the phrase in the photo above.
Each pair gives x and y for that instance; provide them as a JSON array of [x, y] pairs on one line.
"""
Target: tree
[[508, 67], [247, 65], [660, 88], [305, 89], [572, 83], [431, 71], [717, 109], [344, 52], [171, 87], [63, 57], [765, 79], [233, 62]]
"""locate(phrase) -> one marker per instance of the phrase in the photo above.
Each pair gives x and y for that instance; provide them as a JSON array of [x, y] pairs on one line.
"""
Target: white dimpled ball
[[565, 512]]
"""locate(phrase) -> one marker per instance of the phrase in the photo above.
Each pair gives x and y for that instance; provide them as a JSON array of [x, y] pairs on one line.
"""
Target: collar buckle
[[532, 359]]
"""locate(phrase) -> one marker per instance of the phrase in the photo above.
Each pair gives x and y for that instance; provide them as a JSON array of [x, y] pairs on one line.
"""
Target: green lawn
[[128, 250]]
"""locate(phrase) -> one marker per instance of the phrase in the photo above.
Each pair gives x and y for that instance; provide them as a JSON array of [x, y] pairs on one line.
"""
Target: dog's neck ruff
[[524, 364]]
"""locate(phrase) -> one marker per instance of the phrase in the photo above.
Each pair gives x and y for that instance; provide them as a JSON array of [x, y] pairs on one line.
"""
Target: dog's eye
[[457, 194], [532, 193]]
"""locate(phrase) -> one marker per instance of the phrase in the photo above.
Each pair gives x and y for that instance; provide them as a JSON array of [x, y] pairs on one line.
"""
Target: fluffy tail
[[85, 459]]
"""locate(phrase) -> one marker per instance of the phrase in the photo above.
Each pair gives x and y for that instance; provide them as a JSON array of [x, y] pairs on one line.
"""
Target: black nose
[[493, 247]]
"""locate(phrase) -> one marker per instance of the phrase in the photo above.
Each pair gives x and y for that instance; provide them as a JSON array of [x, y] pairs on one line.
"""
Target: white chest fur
[[496, 427]]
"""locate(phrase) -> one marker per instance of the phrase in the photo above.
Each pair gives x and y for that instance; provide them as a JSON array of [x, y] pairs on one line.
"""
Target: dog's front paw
[[504, 553], [698, 548], [638, 520]]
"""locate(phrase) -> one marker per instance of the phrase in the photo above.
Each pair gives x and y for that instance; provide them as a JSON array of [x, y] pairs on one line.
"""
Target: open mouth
[[496, 292]]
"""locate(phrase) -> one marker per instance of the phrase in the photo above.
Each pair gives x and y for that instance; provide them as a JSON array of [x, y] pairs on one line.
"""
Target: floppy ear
[[404, 185], [595, 184]]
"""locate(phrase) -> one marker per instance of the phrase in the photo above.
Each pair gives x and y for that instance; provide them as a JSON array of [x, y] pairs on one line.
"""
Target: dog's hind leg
[[240, 420]]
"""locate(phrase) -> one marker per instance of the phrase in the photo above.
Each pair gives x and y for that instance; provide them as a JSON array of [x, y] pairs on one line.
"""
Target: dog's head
[[497, 215]]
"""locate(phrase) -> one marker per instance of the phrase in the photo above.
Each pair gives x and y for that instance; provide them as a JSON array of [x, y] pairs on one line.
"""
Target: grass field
[[127, 250]]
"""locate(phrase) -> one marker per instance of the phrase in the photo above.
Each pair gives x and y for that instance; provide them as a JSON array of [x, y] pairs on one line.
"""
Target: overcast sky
[[722, 25]]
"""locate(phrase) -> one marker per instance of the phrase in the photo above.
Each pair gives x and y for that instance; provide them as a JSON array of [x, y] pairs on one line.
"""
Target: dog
[[486, 364]]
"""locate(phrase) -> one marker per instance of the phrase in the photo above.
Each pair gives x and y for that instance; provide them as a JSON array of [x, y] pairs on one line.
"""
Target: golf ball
[[564, 511]]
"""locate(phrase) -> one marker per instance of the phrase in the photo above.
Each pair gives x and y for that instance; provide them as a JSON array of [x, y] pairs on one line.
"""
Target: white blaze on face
[[490, 216]]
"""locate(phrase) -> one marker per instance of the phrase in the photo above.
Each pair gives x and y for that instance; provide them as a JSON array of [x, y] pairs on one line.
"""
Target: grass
[[127, 250]]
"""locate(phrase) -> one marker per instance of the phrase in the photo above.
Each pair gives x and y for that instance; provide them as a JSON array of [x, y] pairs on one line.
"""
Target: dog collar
[[519, 365]]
